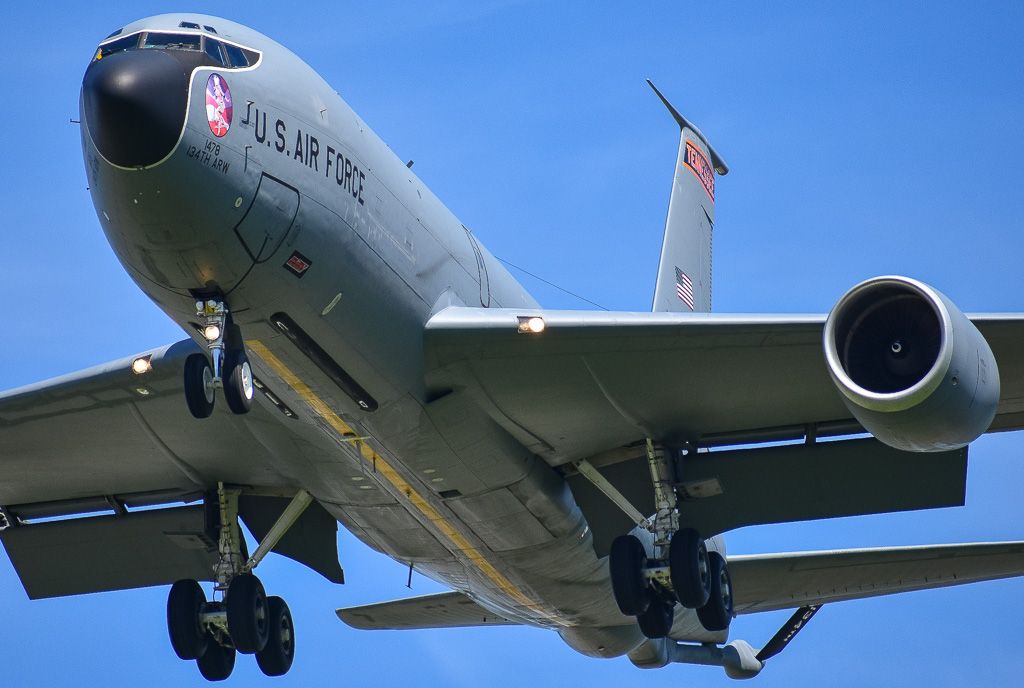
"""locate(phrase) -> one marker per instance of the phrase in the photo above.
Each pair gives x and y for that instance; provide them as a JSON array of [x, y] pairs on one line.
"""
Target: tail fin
[[684, 276]]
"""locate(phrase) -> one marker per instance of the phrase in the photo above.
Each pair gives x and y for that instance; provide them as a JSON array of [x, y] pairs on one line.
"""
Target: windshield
[[126, 43], [172, 41], [221, 53]]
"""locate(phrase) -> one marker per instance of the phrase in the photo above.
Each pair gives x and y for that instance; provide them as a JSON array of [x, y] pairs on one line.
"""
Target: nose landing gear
[[245, 620], [228, 366]]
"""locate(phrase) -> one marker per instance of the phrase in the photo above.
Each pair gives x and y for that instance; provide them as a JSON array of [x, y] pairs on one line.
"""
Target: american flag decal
[[684, 288]]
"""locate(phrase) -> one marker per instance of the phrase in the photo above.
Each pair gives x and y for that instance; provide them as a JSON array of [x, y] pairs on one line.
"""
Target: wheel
[[275, 659], [184, 605], [626, 565], [199, 386], [217, 662], [247, 613], [717, 613], [656, 621], [238, 387], [688, 568]]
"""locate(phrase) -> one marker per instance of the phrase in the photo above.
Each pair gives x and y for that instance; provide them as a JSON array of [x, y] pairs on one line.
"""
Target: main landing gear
[[230, 367], [245, 620], [683, 571]]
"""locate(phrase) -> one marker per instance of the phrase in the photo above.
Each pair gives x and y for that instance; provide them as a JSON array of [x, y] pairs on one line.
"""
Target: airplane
[[460, 380]]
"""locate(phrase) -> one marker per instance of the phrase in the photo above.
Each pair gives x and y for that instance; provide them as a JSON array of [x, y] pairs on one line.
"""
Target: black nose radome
[[134, 104]]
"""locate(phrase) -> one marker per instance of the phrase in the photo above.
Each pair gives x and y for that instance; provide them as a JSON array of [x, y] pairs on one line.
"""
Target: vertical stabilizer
[[684, 275]]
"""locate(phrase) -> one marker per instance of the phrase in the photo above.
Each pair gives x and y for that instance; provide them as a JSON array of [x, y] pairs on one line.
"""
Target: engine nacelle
[[912, 369]]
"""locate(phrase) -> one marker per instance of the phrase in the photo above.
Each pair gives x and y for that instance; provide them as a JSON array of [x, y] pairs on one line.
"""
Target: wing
[[441, 610], [764, 582], [593, 385], [111, 435], [107, 439], [596, 381]]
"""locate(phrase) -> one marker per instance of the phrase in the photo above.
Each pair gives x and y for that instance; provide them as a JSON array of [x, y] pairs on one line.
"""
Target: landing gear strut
[[245, 620], [228, 366], [681, 570]]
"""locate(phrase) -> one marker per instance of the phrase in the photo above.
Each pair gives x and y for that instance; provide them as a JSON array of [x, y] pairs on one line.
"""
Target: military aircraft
[[355, 355]]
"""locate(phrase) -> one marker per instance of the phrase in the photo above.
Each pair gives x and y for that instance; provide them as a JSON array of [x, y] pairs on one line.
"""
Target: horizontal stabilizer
[[765, 582], [440, 610]]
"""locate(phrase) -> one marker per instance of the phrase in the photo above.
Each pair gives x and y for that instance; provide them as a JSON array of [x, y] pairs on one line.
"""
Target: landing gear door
[[268, 218]]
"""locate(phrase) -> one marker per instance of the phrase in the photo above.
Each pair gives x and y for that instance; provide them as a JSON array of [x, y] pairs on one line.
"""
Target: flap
[[440, 610], [763, 582], [724, 490], [100, 553]]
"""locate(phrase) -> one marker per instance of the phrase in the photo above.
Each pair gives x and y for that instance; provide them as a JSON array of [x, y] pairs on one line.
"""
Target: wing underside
[[596, 381], [594, 385], [112, 435], [108, 440]]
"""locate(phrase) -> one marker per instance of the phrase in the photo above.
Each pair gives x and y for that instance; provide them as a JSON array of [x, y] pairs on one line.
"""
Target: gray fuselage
[[298, 208]]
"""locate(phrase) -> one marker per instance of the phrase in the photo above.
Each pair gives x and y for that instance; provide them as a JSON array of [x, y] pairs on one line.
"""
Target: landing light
[[142, 365], [531, 325], [211, 332]]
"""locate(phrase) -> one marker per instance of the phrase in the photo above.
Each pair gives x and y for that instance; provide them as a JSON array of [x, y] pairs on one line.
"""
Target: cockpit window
[[214, 48], [126, 43], [115, 33], [236, 57], [172, 41], [188, 25], [221, 53]]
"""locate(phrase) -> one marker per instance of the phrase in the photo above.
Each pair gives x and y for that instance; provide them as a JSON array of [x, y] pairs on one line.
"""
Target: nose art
[[134, 104]]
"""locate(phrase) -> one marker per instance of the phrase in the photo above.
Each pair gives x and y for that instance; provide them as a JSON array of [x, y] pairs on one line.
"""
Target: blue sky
[[863, 139]]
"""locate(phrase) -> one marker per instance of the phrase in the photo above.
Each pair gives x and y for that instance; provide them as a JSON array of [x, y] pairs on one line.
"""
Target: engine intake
[[912, 369]]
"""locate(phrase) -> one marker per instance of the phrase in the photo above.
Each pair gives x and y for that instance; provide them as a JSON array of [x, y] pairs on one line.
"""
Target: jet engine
[[912, 369]]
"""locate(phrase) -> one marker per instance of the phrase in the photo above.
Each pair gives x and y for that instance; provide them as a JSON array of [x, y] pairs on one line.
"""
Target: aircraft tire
[[688, 568], [626, 563], [656, 621], [246, 604], [275, 659], [238, 386], [199, 386], [217, 663], [184, 604], [718, 612]]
